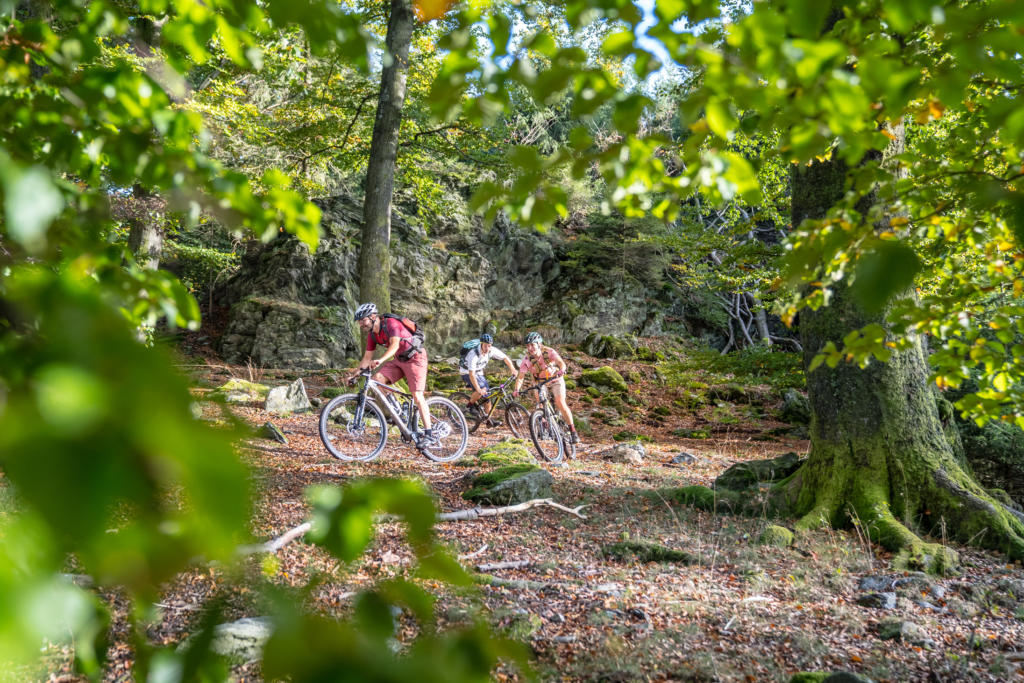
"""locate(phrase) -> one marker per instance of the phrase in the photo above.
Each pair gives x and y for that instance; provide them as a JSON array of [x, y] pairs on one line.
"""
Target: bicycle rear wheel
[[547, 437], [474, 416], [349, 438], [518, 419], [449, 424]]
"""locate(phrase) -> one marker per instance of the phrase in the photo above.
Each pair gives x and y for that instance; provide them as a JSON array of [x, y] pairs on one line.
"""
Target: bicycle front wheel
[[351, 437], [517, 418], [450, 431], [547, 437]]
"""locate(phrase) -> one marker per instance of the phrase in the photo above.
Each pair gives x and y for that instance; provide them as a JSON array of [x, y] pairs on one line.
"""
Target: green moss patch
[[604, 378], [642, 551], [691, 433], [703, 498], [505, 452], [744, 475], [777, 536]]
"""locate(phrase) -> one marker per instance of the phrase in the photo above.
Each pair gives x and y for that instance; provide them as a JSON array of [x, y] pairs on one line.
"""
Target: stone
[[630, 453], [744, 475], [777, 536], [271, 431], [883, 600], [877, 582], [510, 485], [607, 346], [796, 409], [683, 458], [241, 391], [903, 631], [242, 640], [605, 378], [288, 399], [508, 451]]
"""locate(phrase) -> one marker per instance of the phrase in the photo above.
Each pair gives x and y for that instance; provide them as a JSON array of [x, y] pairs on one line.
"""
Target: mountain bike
[[550, 435], [517, 417], [355, 426]]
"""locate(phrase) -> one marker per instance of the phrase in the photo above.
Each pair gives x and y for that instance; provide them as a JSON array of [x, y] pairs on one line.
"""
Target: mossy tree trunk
[[879, 455], [145, 233], [374, 256]]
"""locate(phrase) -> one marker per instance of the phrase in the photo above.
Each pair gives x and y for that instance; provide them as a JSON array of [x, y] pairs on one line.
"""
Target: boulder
[[288, 399], [508, 451], [241, 391], [643, 551], [271, 431], [630, 453], [744, 475], [796, 409], [242, 640], [604, 378], [883, 600], [683, 458], [510, 485], [607, 346]]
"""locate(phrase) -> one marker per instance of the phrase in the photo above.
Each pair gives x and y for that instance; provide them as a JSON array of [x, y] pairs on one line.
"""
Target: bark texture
[[879, 455], [374, 257]]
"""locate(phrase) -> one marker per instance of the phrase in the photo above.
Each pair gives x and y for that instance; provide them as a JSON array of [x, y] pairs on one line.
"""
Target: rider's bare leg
[[421, 404]]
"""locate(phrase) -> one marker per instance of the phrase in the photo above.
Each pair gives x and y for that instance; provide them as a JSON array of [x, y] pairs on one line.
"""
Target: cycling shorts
[[480, 379]]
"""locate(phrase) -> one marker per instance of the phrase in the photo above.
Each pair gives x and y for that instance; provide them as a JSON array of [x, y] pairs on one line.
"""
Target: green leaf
[[720, 119], [31, 202], [883, 273]]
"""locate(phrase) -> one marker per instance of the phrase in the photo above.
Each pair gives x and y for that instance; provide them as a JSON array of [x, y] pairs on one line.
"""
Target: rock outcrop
[[291, 308]]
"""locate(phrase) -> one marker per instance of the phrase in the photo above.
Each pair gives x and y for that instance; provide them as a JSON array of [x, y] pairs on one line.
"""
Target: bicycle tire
[[474, 418], [345, 443], [547, 437], [517, 419], [452, 445], [568, 445]]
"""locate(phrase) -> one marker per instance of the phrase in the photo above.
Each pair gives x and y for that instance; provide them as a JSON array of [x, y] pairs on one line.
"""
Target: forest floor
[[742, 611]]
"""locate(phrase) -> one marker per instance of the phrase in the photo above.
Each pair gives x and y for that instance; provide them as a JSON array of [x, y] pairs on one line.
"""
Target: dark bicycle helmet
[[486, 338], [534, 337], [365, 311]]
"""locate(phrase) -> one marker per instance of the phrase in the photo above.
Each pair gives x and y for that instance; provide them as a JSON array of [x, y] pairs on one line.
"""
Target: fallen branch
[[476, 553], [276, 544], [518, 584], [478, 512], [516, 564], [287, 537]]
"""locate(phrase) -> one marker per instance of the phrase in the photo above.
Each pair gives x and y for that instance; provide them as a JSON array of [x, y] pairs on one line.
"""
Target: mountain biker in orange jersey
[[402, 358], [543, 363]]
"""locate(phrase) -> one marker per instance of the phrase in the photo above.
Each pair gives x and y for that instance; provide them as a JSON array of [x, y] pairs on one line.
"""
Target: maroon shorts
[[414, 371]]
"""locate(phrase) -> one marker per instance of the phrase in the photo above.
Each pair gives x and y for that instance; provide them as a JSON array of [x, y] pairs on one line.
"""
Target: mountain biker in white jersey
[[471, 369]]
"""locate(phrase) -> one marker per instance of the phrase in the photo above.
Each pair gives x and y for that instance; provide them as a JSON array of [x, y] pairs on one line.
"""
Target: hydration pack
[[415, 341], [467, 348]]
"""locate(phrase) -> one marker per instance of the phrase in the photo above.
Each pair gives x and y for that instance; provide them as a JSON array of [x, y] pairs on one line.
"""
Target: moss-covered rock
[[610, 401], [744, 475], [663, 411], [777, 536], [731, 392], [796, 409], [648, 355], [604, 377], [510, 485], [703, 498], [607, 346], [593, 392], [241, 391], [509, 451], [331, 392], [809, 677], [642, 551]]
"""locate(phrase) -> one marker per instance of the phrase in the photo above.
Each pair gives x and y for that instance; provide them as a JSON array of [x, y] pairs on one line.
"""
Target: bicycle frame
[[372, 386], [502, 390]]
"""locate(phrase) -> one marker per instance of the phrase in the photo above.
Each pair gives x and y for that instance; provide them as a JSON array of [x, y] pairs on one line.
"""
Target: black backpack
[[416, 341]]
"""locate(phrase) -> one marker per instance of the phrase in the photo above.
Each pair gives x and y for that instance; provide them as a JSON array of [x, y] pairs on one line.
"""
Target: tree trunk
[[374, 258], [879, 456], [145, 235]]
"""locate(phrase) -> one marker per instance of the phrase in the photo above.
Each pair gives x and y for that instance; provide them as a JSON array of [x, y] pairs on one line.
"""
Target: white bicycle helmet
[[534, 337], [365, 311]]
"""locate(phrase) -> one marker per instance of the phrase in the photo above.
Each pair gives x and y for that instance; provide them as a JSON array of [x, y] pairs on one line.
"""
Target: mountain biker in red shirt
[[543, 363], [402, 356]]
